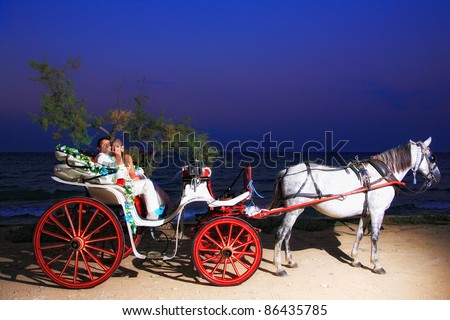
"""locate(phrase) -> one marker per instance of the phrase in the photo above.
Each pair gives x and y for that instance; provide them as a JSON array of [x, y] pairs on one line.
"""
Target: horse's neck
[[415, 152], [399, 160]]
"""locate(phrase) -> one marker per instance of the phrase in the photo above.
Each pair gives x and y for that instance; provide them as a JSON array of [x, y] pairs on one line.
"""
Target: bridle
[[433, 174]]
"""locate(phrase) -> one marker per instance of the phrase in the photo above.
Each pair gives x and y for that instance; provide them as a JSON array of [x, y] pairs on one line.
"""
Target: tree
[[60, 108], [67, 114]]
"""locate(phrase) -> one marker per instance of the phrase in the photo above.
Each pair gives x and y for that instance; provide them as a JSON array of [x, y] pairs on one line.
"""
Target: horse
[[305, 181]]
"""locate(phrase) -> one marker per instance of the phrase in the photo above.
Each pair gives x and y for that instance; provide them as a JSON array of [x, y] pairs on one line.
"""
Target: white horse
[[304, 182]]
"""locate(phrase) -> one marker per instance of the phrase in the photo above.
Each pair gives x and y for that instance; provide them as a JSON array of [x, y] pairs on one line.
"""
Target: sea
[[27, 189]]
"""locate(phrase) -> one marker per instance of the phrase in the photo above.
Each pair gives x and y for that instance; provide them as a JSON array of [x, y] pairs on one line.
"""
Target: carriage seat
[[99, 180], [81, 168]]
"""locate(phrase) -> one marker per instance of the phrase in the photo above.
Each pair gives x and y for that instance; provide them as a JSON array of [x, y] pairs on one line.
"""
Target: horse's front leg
[[359, 234], [376, 227]]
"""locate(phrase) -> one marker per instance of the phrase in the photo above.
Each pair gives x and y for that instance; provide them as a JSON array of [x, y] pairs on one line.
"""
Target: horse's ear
[[427, 142], [412, 142]]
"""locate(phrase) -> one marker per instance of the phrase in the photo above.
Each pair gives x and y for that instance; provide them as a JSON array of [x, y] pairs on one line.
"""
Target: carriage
[[80, 242]]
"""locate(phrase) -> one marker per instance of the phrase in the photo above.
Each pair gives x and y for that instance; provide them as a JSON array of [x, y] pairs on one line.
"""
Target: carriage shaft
[[267, 212]]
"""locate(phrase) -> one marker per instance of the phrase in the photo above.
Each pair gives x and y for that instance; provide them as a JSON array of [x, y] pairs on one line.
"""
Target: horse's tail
[[277, 199]]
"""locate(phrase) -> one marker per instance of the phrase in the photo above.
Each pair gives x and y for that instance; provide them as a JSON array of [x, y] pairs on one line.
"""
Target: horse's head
[[424, 161]]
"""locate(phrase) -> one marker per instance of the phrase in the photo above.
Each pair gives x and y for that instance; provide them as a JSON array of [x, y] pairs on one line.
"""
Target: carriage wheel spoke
[[52, 218], [94, 215], [66, 266], [88, 267], [236, 271], [224, 269], [50, 233], [219, 233], [102, 239], [103, 266], [57, 258], [237, 237], [230, 235], [244, 244], [209, 250], [246, 266], [98, 229], [245, 253], [207, 236], [216, 266], [109, 252], [77, 261], [206, 260], [69, 218], [53, 246]]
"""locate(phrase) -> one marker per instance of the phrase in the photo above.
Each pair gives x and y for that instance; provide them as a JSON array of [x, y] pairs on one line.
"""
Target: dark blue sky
[[376, 73]]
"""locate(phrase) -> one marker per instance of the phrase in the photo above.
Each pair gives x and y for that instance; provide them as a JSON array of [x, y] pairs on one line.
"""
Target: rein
[[410, 192]]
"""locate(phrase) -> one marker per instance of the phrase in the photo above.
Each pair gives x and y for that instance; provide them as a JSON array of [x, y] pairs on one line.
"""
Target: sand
[[415, 257]]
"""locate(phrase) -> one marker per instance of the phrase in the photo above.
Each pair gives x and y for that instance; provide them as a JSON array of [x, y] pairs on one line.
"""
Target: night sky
[[375, 73]]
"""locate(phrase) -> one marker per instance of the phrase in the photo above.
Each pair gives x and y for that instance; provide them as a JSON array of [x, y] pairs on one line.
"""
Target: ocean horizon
[[26, 188]]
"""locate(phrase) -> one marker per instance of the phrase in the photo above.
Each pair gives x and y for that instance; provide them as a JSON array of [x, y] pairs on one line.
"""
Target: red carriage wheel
[[78, 243], [227, 251]]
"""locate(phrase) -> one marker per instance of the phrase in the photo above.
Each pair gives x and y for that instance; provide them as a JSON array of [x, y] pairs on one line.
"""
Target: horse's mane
[[397, 159]]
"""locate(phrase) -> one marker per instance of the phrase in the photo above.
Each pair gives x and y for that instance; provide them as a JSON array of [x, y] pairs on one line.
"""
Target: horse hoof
[[379, 270], [356, 264], [282, 273], [293, 265]]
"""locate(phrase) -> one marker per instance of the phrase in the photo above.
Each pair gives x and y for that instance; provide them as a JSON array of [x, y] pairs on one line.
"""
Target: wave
[[23, 194], [35, 209]]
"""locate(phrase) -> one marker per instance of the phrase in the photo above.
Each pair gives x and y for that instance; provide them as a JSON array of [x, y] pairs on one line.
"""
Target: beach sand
[[416, 258]]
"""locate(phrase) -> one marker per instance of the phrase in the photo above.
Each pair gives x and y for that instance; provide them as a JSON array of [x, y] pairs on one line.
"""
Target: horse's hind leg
[[359, 235], [283, 234], [277, 256], [287, 248]]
